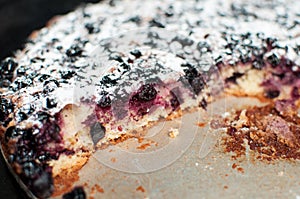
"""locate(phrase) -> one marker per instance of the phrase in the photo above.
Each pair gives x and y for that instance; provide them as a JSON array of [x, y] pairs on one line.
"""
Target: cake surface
[[109, 71]]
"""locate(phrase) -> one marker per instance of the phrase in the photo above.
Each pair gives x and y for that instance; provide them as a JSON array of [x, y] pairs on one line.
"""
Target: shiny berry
[[106, 80], [7, 68], [273, 59], [44, 77], [50, 102], [92, 28], [116, 57], [74, 51], [20, 116], [195, 79], [147, 93], [272, 94], [50, 85], [104, 102], [6, 107], [174, 101], [21, 70], [156, 23], [136, 53], [21, 82], [67, 74], [11, 133]]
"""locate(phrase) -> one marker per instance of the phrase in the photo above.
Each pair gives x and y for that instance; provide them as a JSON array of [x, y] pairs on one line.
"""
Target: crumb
[[234, 165], [113, 159], [173, 133], [241, 170], [140, 188], [99, 189], [225, 187], [143, 146], [201, 124]]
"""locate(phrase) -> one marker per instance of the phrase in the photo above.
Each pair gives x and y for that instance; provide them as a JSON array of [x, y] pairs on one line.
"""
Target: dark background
[[18, 18]]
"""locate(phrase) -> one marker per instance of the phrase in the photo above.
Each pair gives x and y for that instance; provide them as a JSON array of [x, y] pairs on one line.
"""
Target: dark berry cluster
[[7, 68], [145, 93], [104, 102], [174, 101], [195, 79], [6, 107], [74, 51], [34, 147]]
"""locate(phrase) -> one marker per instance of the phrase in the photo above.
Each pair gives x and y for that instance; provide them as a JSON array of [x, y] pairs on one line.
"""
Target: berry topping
[[97, 132], [106, 80], [174, 101], [258, 62], [43, 77], [203, 104], [136, 53], [184, 41], [273, 59], [12, 133], [156, 23], [104, 102], [20, 116], [6, 107], [7, 68], [76, 193], [31, 169], [49, 133], [42, 116], [50, 102], [74, 51], [145, 93], [27, 108], [234, 77], [271, 94], [50, 85], [135, 19], [67, 74], [295, 93], [195, 79], [116, 57], [42, 186], [91, 28], [21, 82], [21, 70]]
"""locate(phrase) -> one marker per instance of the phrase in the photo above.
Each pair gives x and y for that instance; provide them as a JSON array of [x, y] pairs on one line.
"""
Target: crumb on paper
[[173, 133], [140, 188], [97, 188], [201, 124], [144, 146]]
